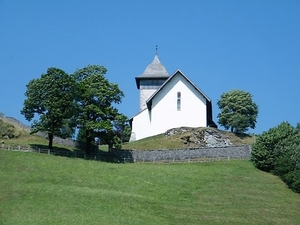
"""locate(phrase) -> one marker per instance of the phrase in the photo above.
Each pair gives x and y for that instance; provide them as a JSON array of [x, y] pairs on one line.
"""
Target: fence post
[[48, 151]]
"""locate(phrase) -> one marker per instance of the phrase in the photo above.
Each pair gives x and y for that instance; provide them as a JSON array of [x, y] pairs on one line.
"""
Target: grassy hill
[[178, 140], [161, 141], [46, 189]]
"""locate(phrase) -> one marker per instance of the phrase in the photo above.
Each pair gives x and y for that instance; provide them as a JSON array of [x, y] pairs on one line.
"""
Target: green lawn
[[46, 189]]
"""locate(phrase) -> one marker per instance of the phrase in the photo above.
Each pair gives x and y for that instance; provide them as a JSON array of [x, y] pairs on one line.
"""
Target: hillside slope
[[186, 137], [46, 189], [183, 137]]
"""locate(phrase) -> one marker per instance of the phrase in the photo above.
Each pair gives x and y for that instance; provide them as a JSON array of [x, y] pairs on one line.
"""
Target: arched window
[[178, 101]]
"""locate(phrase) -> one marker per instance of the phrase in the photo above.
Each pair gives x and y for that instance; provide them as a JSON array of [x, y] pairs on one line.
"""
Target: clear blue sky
[[220, 45]]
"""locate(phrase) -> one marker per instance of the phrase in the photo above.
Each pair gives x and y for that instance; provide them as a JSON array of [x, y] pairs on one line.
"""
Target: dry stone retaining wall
[[235, 152]]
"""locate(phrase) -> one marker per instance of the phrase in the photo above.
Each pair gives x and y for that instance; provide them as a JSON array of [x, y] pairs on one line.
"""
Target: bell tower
[[150, 80]]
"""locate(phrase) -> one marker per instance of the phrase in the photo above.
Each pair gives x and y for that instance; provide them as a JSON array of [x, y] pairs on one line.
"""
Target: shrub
[[278, 151], [270, 144], [8, 130]]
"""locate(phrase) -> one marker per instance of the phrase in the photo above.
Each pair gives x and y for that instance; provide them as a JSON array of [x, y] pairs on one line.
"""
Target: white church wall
[[140, 126], [164, 114]]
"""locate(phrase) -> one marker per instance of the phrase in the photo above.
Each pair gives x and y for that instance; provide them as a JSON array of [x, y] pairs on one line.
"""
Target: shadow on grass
[[242, 135], [96, 155]]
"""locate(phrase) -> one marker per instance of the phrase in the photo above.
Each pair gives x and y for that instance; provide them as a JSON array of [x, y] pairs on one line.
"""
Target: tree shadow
[[96, 154], [242, 135]]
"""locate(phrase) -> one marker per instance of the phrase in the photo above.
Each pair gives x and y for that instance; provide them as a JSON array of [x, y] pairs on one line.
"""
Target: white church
[[168, 101]]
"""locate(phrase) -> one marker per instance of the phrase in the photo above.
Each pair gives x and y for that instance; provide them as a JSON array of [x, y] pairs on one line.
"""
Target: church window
[[178, 101]]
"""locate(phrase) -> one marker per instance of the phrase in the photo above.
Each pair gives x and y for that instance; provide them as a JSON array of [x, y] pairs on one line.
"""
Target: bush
[[269, 145], [278, 151], [7, 130]]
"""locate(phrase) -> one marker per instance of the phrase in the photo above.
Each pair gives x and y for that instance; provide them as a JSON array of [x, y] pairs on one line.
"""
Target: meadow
[[46, 189]]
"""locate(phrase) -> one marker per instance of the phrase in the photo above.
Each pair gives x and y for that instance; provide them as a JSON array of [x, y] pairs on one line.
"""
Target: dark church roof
[[155, 69]]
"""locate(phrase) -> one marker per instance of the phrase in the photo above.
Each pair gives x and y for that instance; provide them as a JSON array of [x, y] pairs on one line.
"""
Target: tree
[[278, 151], [51, 97], [120, 133], [8, 130], [122, 128], [271, 144], [95, 98], [238, 111]]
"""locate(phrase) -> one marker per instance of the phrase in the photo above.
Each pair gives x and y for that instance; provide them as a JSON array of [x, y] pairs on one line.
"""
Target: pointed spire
[[156, 48]]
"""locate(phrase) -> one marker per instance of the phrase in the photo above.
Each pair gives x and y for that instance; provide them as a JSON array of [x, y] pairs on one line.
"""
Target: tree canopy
[[238, 111], [52, 98], [85, 100], [95, 98], [7, 130], [278, 151]]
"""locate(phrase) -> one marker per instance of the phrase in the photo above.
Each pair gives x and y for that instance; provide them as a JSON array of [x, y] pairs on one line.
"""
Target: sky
[[252, 46]]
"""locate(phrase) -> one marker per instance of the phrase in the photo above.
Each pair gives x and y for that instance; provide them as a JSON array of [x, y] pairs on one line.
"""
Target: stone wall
[[235, 152]]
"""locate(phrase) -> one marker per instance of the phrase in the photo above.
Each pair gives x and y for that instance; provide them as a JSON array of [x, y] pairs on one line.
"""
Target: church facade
[[168, 101]]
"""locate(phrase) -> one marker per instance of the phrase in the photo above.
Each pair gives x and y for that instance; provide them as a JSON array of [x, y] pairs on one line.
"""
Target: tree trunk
[[110, 146], [50, 137], [88, 143]]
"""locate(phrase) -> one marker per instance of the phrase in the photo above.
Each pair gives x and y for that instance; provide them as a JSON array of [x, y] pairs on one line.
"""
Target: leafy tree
[[269, 145], [278, 151], [287, 165], [8, 130], [95, 98], [120, 133], [238, 111], [122, 128], [51, 97]]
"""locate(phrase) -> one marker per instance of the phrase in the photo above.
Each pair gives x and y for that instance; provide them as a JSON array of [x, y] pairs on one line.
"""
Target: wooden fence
[[100, 156]]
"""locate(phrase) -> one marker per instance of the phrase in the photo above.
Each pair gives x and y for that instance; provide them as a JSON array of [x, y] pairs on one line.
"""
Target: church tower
[[148, 82]]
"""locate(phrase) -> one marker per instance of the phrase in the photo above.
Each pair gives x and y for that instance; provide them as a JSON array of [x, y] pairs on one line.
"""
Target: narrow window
[[178, 101]]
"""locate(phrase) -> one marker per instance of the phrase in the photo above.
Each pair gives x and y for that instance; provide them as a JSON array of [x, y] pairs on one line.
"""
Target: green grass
[[46, 189], [178, 141]]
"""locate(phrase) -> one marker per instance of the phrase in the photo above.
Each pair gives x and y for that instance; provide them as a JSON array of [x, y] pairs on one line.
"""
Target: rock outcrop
[[200, 137]]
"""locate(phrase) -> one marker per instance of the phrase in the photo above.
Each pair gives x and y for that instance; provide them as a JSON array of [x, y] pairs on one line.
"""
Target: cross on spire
[[156, 48]]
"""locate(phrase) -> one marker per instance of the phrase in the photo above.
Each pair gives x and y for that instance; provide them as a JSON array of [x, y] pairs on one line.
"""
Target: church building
[[168, 101]]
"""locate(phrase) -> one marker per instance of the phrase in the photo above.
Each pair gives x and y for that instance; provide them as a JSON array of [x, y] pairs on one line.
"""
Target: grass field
[[177, 140], [46, 189]]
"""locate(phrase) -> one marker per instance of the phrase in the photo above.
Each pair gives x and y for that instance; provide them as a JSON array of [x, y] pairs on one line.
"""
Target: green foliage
[[51, 97], [7, 130], [287, 166], [269, 144], [81, 136], [120, 133], [238, 111], [95, 98], [122, 128], [278, 151]]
